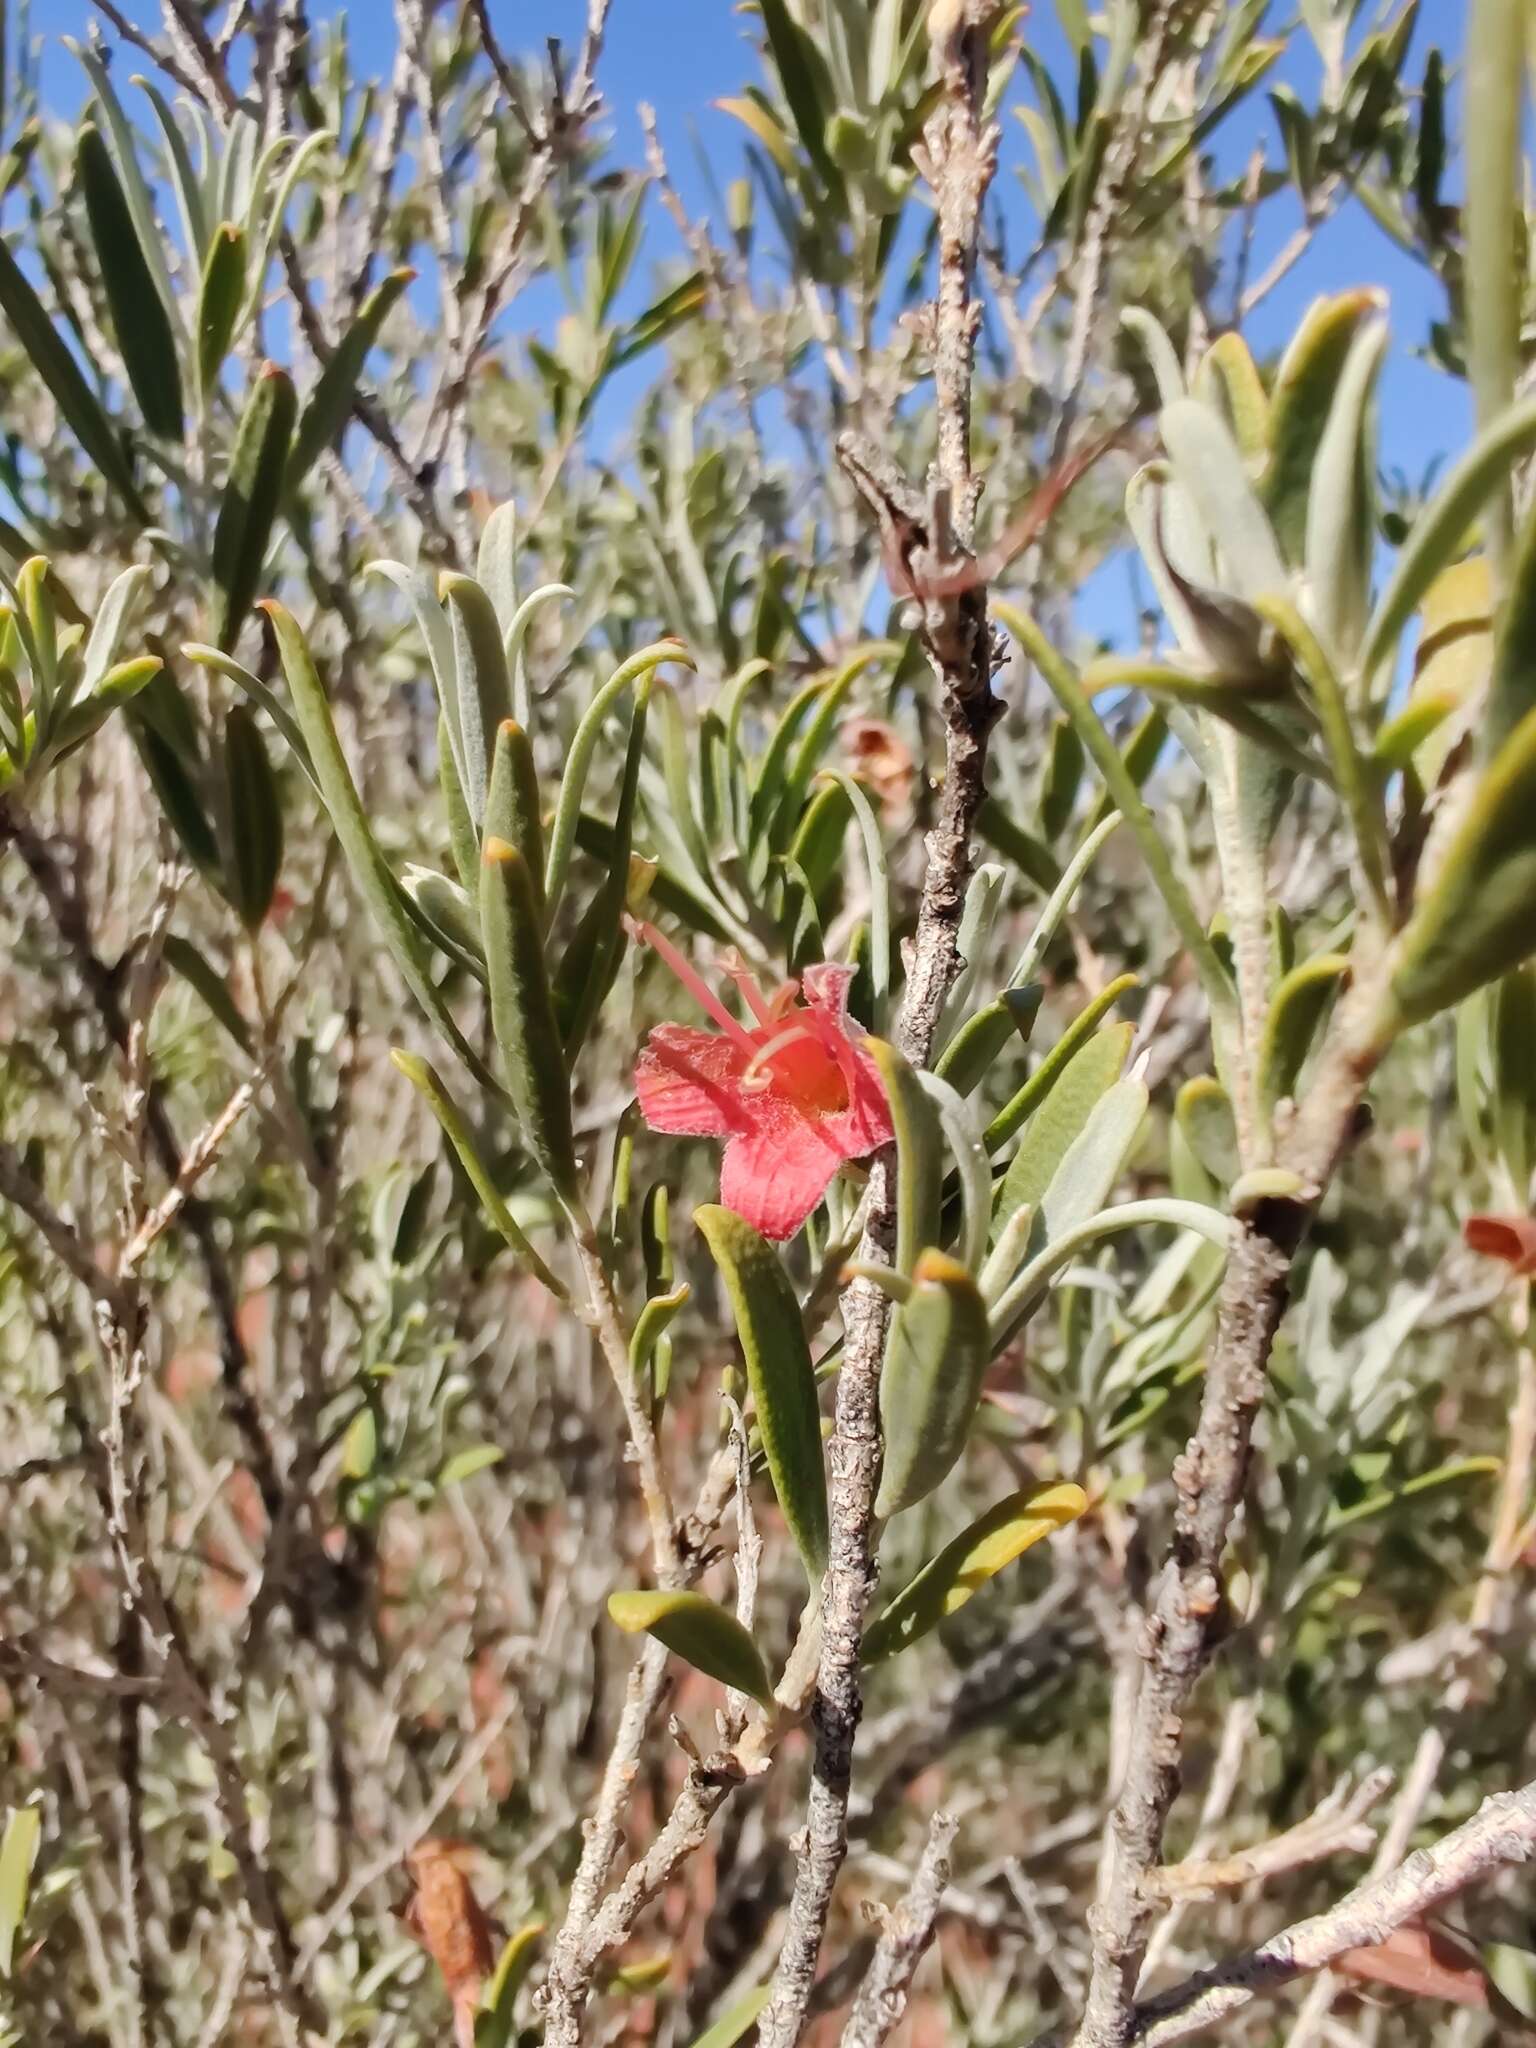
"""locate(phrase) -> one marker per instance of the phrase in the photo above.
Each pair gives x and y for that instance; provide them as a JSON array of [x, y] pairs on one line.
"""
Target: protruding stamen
[[746, 983], [697, 987], [753, 1076]]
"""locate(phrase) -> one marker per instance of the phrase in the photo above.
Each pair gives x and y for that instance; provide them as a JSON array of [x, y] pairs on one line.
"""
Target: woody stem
[[959, 160]]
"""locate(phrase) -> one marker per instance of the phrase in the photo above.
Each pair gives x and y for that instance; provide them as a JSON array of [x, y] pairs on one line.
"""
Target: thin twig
[[200, 1155], [958, 159], [1501, 1833], [909, 1928], [1337, 1827], [1186, 1621]]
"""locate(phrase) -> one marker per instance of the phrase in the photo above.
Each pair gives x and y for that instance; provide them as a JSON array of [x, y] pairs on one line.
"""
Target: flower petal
[[865, 1125], [776, 1173], [689, 1081], [825, 987]]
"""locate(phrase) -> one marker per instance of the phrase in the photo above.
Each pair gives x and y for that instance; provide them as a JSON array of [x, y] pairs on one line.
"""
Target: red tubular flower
[[794, 1094]]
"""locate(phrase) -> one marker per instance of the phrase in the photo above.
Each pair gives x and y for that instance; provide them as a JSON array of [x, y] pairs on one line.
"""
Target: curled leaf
[[963, 1567], [700, 1631]]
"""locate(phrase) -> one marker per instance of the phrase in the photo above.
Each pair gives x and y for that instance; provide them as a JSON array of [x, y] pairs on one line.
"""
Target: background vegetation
[[358, 1339]]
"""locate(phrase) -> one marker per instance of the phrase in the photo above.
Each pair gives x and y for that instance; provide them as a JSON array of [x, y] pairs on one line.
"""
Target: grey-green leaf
[[139, 319], [523, 1013], [700, 1631], [249, 503], [919, 1154], [1477, 919], [1063, 1115], [779, 1372], [255, 819], [935, 1360], [370, 870]]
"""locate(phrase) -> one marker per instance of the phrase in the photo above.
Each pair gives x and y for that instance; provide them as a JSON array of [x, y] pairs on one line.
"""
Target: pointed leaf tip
[[779, 1372], [701, 1632]]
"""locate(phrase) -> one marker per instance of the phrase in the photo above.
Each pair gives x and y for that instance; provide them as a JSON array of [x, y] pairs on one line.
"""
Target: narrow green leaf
[[523, 1013], [579, 759], [779, 1373], [1080, 1083], [255, 814], [1305, 384], [1126, 797], [139, 319], [818, 731], [18, 1852], [495, 2023], [1023, 1295], [773, 770], [463, 839], [420, 591], [581, 992], [484, 683], [963, 1133], [249, 504], [733, 2023], [1063, 778], [1512, 684], [1204, 1112], [496, 562], [512, 801], [140, 200], [1048, 923], [1040, 1083], [793, 59], [517, 632], [1341, 509], [983, 898], [221, 294], [1162, 357], [1360, 791], [919, 1154], [1495, 98], [971, 1053], [465, 1464], [964, 1566], [428, 1083], [652, 1324], [820, 836], [197, 970], [329, 405], [107, 629], [1095, 1159], [179, 799], [1210, 471], [449, 913], [935, 1360], [1477, 917], [189, 195], [1230, 366], [53, 362], [701, 1633], [1296, 1011], [1439, 532], [370, 871], [879, 891]]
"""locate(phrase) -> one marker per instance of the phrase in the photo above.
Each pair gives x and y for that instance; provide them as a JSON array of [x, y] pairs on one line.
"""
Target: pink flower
[[793, 1095]]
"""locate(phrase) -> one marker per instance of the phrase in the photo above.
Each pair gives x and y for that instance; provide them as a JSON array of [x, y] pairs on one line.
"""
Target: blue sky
[[680, 55]]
